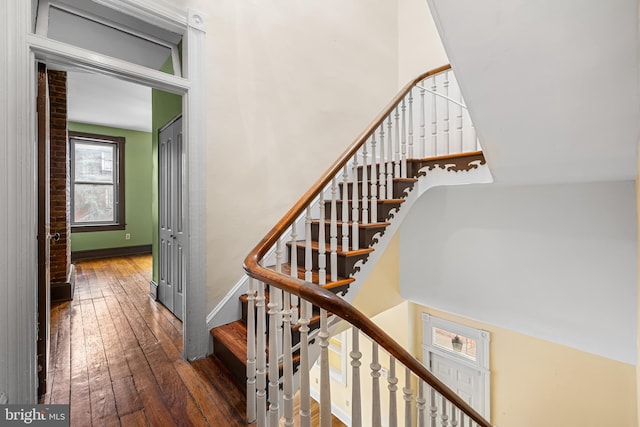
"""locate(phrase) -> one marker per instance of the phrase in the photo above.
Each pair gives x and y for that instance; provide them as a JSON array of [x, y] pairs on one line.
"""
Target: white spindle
[[382, 192], [276, 295], [305, 388], [403, 148], [421, 404], [454, 416], [434, 119], [365, 186], [345, 213], [251, 351], [325, 385], [444, 416], [411, 153], [407, 395], [322, 248], [375, 385], [433, 408], [396, 157], [423, 147], [293, 299], [261, 359], [374, 183], [445, 129], [460, 123], [392, 380], [356, 355], [333, 231], [355, 208], [308, 253], [287, 380], [273, 312], [390, 158]]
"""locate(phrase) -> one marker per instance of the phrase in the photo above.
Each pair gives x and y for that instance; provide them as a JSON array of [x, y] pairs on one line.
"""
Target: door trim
[[481, 363], [18, 172]]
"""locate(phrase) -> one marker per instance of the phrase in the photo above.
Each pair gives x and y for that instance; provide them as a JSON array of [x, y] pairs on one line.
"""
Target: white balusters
[[365, 187], [396, 157], [345, 214], [444, 416], [454, 416], [355, 206], [433, 409], [251, 351], [392, 381], [459, 126], [423, 147], [305, 386], [445, 129], [333, 231], [356, 404], [403, 148], [374, 183], [389, 158], [287, 350], [325, 385], [421, 404], [382, 192], [322, 247], [261, 359], [410, 153], [434, 120], [407, 395], [273, 312], [308, 252], [375, 385]]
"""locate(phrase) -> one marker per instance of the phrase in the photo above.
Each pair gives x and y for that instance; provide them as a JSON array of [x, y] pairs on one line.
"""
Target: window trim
[[118, 141]]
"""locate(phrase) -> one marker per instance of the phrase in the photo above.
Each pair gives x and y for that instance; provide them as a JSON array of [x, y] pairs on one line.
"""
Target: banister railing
[[297, 290]]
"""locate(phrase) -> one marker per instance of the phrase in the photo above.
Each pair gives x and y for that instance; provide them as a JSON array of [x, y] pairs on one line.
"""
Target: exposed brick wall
[[60, 191]]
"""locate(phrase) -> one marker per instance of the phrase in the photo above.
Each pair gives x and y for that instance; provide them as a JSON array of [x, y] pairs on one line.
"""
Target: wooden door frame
[[18, 301]]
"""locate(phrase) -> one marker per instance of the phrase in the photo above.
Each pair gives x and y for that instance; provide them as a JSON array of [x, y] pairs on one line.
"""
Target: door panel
[[172, 257], [44, 298], [464, 380]]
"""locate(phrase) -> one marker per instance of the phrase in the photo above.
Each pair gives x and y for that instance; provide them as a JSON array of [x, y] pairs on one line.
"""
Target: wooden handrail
[[327, 300]]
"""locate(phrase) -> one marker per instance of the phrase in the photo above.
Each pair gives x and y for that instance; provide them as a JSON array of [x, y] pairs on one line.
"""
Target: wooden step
[[401, 187], [386, 209], [340, 286], [346, 259], [368, 234]]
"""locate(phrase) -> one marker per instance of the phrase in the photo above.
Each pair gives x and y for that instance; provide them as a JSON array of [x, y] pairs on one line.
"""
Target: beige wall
[[419, 45], [538, 383], [291, 85]]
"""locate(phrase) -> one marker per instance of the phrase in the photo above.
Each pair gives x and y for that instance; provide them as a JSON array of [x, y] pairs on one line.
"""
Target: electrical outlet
[[127, 236], [3, 399]]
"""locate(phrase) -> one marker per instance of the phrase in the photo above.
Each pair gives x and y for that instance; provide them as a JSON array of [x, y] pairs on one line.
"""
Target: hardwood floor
[[116, 356]]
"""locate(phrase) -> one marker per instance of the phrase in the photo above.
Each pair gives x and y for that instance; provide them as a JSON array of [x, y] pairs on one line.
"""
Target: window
[[97, 182]]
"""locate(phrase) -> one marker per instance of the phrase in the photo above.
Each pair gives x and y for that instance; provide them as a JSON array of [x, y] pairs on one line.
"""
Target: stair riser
[[345, 265], [366, 236], [385, 211], [400, 189]]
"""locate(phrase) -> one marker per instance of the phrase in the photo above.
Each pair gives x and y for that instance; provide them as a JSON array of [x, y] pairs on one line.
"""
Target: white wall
[[557, 262]]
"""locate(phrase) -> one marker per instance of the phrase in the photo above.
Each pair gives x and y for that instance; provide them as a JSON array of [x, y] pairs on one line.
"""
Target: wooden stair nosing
[[341, 253]]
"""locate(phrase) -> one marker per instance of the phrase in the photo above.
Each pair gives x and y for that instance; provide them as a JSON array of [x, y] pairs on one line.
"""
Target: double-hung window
[[97, 182]]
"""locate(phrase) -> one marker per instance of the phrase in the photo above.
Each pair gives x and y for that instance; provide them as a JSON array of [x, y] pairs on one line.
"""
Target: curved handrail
[[327, 300]]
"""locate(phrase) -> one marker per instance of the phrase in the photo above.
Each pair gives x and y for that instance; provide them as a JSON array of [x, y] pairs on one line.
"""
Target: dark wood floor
[[116, 356]]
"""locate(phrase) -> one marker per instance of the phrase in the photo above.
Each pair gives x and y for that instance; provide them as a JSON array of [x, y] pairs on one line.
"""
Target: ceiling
[[107, 101], [552, 86]]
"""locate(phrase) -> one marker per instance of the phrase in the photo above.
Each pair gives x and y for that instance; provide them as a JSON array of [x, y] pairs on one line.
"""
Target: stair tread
[[234, 337], [360, 225], [340, 251]]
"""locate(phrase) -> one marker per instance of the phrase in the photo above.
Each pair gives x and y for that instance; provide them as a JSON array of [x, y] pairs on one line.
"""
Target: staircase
[[306, 271]]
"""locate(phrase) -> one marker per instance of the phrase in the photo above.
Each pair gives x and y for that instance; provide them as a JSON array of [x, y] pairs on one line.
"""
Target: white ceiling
[[552, 86], [107, 101]]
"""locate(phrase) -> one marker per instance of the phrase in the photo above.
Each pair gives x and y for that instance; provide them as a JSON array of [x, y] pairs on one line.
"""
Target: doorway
[[458, 356]]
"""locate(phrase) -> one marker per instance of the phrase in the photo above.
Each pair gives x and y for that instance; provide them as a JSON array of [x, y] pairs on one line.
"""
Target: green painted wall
[[165, 107], [138, 192]]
